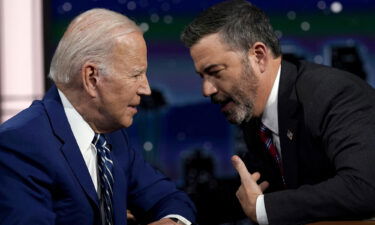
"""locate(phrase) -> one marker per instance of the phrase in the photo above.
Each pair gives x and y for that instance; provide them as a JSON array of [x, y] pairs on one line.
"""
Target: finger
[[239, 165], [263, 186], [255, 176], [129, 215]]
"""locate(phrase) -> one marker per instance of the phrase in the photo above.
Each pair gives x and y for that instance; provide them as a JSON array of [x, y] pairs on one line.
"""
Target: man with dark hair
[[310, 129], [66, 160]]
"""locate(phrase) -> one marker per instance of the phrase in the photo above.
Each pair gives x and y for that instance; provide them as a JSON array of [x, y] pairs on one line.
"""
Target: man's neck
[[266, 83]]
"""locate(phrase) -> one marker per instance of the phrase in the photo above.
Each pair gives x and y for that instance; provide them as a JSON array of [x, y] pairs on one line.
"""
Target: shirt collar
[[270, 115], [81, 130]]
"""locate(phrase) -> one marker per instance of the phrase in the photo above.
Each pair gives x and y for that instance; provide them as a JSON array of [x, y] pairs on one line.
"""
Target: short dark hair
[[239, 23]]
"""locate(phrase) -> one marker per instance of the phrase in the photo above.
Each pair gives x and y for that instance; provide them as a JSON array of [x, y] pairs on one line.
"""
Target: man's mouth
[[225, 104], [133, 107]]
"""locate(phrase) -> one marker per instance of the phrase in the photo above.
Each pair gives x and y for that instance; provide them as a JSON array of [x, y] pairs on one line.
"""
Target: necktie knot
[[263, 130], [265, 135], [99, 141]]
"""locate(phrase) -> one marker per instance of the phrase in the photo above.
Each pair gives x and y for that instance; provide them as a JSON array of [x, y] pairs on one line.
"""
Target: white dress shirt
[[271, 121], [84, 135]]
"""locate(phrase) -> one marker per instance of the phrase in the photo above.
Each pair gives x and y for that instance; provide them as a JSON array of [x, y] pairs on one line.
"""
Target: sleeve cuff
[[182, 220], [261, 211]]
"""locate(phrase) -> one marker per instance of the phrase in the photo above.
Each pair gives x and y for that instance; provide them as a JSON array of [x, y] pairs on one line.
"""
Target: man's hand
[[249, 190], [164, 221], [129, 215]]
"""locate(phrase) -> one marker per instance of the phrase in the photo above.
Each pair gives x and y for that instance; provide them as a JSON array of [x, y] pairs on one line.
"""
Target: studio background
[[179, 130]]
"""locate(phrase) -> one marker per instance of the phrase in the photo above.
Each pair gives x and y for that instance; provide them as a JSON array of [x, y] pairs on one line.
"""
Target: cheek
[[124, 94], [231, 87]]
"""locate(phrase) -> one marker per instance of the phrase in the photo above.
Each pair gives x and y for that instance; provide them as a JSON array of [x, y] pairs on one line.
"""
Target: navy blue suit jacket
[[44, 179]]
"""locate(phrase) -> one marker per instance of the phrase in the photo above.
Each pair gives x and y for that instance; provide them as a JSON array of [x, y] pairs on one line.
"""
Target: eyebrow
[[139, 70], [208, 68]]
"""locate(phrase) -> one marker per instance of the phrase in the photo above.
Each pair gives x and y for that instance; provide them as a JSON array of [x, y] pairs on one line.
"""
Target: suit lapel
[[288, 121], [118, 148], [69, 146]]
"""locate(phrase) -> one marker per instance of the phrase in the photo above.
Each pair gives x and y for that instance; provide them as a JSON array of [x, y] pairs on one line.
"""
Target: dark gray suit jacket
[[327, 137]]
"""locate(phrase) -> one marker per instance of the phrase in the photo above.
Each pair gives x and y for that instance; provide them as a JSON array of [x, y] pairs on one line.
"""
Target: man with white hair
[[67, 159]]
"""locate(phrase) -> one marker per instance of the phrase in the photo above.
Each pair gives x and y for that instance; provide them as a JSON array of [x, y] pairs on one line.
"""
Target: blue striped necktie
[[105, 166]]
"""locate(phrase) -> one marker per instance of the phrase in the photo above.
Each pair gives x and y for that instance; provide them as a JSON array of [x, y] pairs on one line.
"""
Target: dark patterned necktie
[[266, 137], [105, 166]]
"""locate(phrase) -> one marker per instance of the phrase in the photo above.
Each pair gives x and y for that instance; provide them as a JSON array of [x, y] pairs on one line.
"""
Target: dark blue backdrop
[[320, 31]]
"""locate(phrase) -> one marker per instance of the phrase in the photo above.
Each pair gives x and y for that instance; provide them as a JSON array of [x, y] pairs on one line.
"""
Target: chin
[[236, 117], [234, 120], [127, 122]]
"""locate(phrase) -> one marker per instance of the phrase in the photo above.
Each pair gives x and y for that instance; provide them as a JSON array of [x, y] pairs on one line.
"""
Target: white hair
[[89, 38]]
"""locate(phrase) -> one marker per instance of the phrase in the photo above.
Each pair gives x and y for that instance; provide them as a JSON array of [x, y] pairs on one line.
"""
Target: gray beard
[[244, 96], [241, 113]]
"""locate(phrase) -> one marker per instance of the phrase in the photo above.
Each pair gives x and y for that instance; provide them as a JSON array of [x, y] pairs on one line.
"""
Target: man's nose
[[144, 88], [208, 88]]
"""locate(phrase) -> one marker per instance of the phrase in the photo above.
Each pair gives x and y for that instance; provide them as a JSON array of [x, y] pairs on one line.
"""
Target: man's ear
[[90, 78], [259, 55]]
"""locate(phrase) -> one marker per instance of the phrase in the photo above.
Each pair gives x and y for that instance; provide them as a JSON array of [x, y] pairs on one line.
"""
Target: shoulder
[[321, 84], [325, 93], [320, 77], [31, 115], [25, 128]]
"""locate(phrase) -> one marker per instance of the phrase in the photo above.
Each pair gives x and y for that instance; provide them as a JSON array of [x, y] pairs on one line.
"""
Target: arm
[[24, 194], [155, 194]]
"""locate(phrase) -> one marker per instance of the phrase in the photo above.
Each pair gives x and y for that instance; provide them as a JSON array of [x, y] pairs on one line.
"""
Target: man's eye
[[214, 72]]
